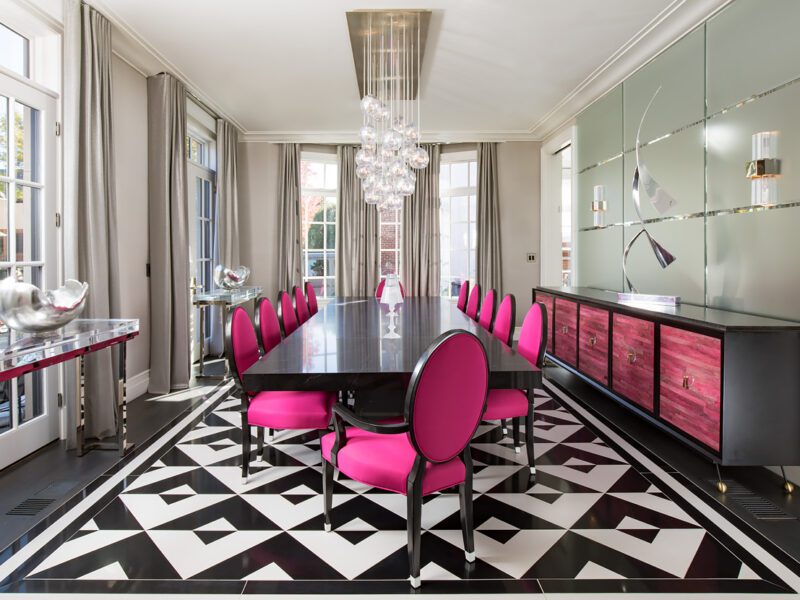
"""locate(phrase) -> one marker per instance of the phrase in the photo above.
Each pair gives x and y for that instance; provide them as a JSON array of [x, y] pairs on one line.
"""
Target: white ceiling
[[492, 68]]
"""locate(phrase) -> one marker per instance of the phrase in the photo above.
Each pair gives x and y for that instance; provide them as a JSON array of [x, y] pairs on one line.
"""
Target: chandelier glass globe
[[393, 140], [365, 156], [386, 154], [371, 197], [406, 185], [396, 168], [419, 160], [411, 134], [368, 135], [368, 104], [363, 171]]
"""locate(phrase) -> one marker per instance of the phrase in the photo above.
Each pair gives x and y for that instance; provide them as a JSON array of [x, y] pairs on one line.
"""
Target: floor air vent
[[758, 506], [30, 507]]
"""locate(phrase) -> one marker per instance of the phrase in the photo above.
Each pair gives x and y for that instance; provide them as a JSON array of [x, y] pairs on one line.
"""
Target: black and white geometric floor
[[599, 518]]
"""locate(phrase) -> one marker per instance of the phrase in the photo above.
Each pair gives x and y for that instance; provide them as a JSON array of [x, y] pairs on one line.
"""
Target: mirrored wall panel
[[609, 176], [599, 130], [600, 258]]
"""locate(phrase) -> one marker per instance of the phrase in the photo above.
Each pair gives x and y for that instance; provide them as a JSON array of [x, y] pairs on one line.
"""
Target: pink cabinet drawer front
[[566, 331], [632, 360], [593, 343], [691, 375], [548, 301]]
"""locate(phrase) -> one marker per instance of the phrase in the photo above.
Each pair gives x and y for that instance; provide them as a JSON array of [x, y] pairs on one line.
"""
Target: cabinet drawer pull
[[632, 357], [565, 329], [592, 340], [688, 380]]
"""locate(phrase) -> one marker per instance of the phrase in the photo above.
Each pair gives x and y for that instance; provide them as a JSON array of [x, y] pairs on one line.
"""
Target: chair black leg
[[504, 427], [327, 491], [414, 506], [260, 444], [270, 434], [245, 447], [515, 423], [465, 500], [529, 434]]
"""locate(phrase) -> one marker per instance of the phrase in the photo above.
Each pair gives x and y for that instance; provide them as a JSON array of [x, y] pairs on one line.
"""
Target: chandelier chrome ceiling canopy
[[388, 47]]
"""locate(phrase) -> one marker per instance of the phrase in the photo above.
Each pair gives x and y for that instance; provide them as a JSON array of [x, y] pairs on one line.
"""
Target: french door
[[201, 241], [29, 416]]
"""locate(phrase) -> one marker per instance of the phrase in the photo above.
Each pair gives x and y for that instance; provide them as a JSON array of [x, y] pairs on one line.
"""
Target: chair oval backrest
[[313, 307], [447, 395], [462, 296], [241, 345], [533, 335], [379, 289], [300, 305], [474, 302], [487, 310], [267, 326], [286, 313], [504, 321]]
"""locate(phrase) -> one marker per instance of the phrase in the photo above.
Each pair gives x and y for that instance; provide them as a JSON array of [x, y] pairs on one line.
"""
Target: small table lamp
[[391, 296]]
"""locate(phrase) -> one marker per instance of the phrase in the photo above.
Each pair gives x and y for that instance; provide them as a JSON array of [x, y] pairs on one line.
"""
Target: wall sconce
[[765, 168], [599, 206]]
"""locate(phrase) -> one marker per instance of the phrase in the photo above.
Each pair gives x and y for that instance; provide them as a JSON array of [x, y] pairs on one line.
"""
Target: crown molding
[[351, 137], [141, 55], [669, 26]]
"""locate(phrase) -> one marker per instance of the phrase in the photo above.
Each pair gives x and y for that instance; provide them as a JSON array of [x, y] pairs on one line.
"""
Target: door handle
[[565, 329], [592, 340], [688, 380], [632, 357]]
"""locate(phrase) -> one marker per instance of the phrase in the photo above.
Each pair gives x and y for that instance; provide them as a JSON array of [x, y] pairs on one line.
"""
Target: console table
[[225, 299], [725, 383], [21, 354]]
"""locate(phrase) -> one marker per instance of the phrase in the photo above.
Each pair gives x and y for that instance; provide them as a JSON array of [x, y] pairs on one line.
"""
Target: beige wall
[[519, 191], [259, 213], [129, 113]]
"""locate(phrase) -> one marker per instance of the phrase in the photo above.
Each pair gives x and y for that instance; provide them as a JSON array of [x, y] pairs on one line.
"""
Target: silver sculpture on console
[[662, 202], [26, 308], [230, 279]]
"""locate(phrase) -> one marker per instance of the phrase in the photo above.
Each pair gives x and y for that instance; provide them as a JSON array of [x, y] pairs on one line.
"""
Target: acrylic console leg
[[80, 447]]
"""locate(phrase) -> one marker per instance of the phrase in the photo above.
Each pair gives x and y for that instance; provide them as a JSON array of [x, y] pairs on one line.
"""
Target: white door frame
[[23, 439], [550, 220]]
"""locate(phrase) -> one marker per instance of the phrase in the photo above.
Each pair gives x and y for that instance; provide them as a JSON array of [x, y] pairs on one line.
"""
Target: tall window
[[390, 241], [200, 152], [458, 181], [318, 183], [566, 216], [14, 51]]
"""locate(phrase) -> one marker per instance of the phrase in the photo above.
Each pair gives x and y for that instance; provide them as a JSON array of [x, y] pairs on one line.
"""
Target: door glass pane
[[330, 176], [5, 405], [3, 136], [473, 176], [330, 263], [3, 221], [26, 139], [331, 237], [331, 286], [458, 236], [459, 174], [315, 240], [13, 51], [316, 264], [312, 175], [29, 396], [27, 212], [459, 209], [444, 176]]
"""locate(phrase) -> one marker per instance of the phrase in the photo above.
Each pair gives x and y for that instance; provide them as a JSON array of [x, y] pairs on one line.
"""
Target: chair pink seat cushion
[[291, 410], [505, 404], [385, 460]]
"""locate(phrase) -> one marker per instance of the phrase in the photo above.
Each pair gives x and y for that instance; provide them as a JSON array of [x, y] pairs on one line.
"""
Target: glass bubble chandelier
[[390, 134]]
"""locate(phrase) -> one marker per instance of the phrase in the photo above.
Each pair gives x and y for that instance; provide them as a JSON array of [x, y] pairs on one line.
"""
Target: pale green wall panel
[[753, 46], [680, 72], [729, 147], [754, 262], [599, 130], [676, 163], [685, 277], [600, 258], [608, 175]]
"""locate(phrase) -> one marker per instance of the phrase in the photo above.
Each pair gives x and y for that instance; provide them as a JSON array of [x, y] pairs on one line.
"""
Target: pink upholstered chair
[[462, 296], [300, 305], [286, 314], [313, 308], [379, 289], [505, 320], [515, 404], [268, 328], [273, 410], [428, 451], [473, 304], [486, 317]]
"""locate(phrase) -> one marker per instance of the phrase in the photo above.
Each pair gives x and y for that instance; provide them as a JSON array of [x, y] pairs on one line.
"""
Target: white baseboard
[[137, 385]]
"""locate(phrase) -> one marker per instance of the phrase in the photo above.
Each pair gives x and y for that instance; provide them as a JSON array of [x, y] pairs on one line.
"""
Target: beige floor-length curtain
[[488, 258], [226, 237], [290, 255], [91, 201], [169, 235], [420, 236], [357, 239]]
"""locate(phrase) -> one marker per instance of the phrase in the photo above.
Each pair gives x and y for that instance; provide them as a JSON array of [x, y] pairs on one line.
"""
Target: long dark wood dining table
[[342, 348]]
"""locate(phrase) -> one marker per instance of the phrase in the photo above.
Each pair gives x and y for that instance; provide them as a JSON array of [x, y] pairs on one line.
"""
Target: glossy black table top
[[691, 314], [342, 348]]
